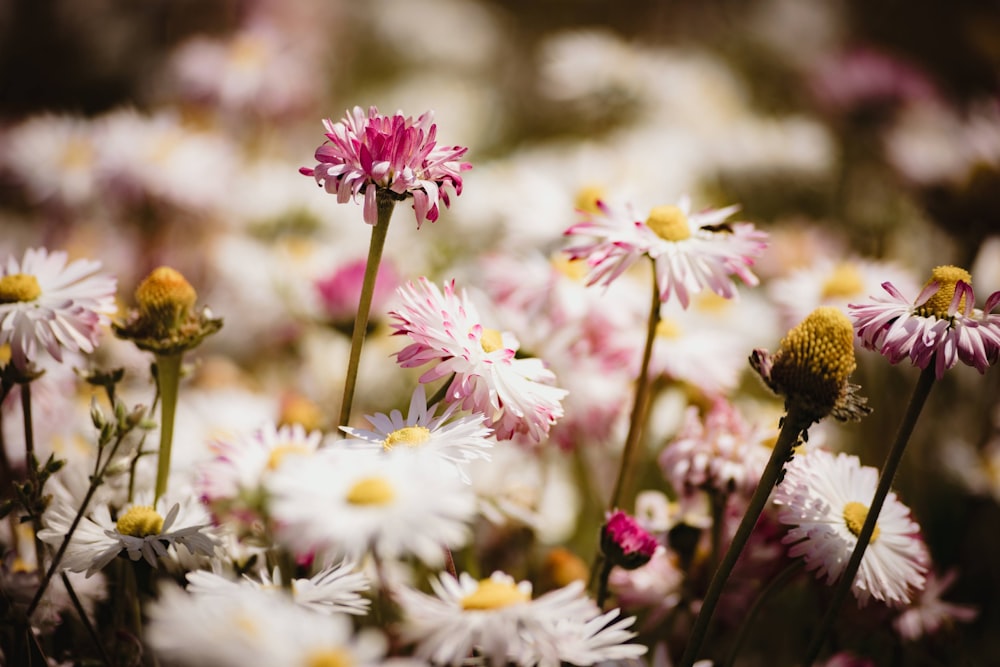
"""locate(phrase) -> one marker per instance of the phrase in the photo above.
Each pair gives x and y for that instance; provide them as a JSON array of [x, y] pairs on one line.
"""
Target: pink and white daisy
[[45, 302], [498, 618], [825, 497], [691, 251], [456, 441], [928, 613], [624, 542], [391, 153], [516, 395], [942, 325]]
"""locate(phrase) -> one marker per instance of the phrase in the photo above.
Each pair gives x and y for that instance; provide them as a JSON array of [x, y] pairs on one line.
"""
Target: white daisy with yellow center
[[346, 502]]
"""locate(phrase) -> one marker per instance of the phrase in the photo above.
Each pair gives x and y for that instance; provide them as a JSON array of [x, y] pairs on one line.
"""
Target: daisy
[[515, 394], [138, 530], [691, 251], [928, 613], [48, 303], [394, 154], [335, 589], [498, 618], [824, 497], [941, 325], [347, 502], [457, 441], [624, 542], [253, 626]]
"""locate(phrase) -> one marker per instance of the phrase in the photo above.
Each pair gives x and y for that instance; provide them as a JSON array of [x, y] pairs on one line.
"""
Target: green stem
[[718, 500], [748, 619], [385, 205], [917, 400], [794, 423], [87, 625], [602, 583], [31, 461], [168, 378]]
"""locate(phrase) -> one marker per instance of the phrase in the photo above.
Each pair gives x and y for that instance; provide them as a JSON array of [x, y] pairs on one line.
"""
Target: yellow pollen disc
[[140, 521], [248, 52], [19, 287], [667, 328], [411, 436], [844, 282], [297, 409], [491, 340], [279, 453], [5, 354], [816, 357], [946, 277], [330, 657], [574, 269], [587, 198], [710, 302], [77, 153], [165, 291], [371, 491], [669, 223], [854, 516], [491, 594]]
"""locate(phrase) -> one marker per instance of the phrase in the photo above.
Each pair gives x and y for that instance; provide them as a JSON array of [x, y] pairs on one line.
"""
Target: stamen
[[947, 278], [669, 223], [491, 340], [19, 287], [410, 436], [140, 521], [854, 516], [492, 594], [371, 491], [845, 281]]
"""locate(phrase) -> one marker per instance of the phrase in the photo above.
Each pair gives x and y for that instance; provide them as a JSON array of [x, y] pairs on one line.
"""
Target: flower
[[46, 302], [139, 530], [824, 498], [941, 325], [811, 367], [928, 613], [253, 626], [498, 618], [624, 542], [346, 502], [691, 251], [395, 154], [516, 395], [457, 441]]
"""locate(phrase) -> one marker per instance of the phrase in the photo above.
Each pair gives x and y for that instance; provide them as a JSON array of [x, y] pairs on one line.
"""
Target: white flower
[[457, 441], [140, 531], [928, 613], [825, 498], [48, 303], [498, 618], [347, 502]]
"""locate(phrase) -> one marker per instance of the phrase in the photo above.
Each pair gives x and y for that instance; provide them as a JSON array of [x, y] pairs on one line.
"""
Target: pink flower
[[516, 395], [340, 290], [928, 613], [625, 543], [393, 153], [940, 325], [691, 251], [46, 302]]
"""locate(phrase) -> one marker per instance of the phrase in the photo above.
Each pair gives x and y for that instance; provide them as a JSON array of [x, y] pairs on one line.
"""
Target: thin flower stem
[[31, 461], [87, 625], [917, 400], [602, 586], [793, 424], [385, 205], [719, 500], [168, 378], [772, 587]]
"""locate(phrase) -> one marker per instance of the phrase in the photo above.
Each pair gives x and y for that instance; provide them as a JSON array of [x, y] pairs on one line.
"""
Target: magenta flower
[[691, 251], [516, 395], [393, 153], [625, 543], [340, 290], [941, 324]]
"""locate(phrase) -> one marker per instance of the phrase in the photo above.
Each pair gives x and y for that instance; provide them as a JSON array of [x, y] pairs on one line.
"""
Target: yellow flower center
[[854, 516], [371, 491], [411, 436], [19, 287], [844, 281], [947, 278], [815, 359], [297, 409], [492, 594], [667, 328], [5, 354], [165, 297], [491, 340], [279, 453], [140, 521], [710, 302], [669, 223], [331, 657], [587, 198], [248, 52], [574, 269], [77, 154]]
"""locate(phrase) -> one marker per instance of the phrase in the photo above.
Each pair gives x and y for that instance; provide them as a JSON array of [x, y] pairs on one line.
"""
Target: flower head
[[691, 251], [393, 154], [812, 365], [45, 302], [824, 498], [516, 395], [941, 325], [928, 613], [626, 543]]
